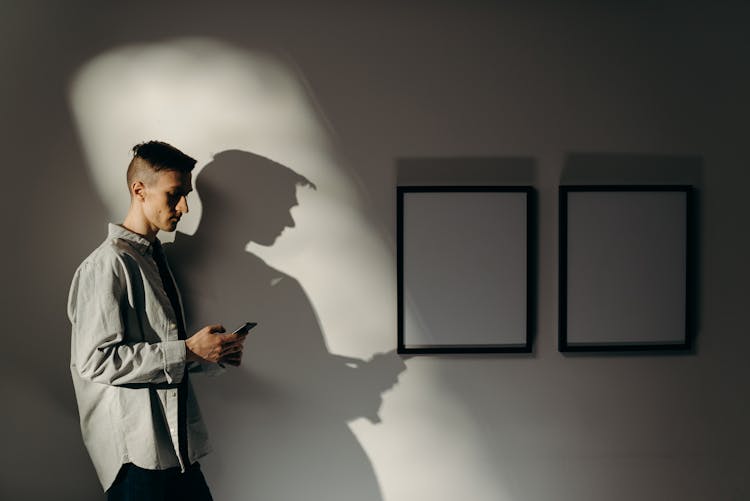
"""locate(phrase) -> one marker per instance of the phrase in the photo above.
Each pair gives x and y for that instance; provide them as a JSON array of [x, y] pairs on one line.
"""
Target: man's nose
[[182, 205]]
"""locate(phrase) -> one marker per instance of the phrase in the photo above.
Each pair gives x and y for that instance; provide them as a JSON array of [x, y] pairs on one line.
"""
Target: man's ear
[[138, 190]]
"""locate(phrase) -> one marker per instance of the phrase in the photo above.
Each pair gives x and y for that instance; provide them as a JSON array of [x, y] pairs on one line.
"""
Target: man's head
[[159, 181]]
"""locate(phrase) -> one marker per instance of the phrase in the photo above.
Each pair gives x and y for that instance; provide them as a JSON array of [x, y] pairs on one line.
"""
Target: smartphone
[[244, 328]]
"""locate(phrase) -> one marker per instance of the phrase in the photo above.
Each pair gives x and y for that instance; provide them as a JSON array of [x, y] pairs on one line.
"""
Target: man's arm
[[99, 351]]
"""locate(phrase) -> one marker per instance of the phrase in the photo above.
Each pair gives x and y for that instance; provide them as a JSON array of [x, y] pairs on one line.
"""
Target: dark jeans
[[136, 484]]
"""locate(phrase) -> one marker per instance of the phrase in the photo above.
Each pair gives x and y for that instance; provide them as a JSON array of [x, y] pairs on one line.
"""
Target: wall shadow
[[630, 168], [278, 423], [485, 171]]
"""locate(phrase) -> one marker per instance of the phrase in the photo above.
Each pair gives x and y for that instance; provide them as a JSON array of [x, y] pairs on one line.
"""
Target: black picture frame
[[438, 221], [626, 269]]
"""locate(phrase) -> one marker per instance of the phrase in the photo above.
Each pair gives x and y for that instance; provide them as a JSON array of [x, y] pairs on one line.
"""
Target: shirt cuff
[[175, 353]]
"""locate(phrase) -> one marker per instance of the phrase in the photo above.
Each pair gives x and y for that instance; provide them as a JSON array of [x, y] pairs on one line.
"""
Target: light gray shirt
[[127, 362]]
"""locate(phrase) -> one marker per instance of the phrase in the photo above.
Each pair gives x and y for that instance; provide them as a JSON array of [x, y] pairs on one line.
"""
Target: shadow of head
[[251, 193]]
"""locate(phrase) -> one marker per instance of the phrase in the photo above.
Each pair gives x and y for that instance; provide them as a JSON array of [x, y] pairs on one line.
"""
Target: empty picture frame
[[625, 273], [463, 269]]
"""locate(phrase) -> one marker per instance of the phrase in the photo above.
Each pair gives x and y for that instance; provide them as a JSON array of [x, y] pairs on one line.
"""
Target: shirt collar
[[136, 241]]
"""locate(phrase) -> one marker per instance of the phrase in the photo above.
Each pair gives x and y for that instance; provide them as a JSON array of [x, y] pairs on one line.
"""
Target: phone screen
[[244, 328]]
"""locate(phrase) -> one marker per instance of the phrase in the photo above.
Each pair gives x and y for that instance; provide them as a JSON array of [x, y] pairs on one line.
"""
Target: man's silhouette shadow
[[278, 422]]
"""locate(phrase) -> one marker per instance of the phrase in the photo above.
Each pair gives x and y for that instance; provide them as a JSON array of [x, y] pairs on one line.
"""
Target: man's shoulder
[[111, 253]]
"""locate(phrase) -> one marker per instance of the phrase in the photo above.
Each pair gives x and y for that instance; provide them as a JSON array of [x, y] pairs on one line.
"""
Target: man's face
[[165, 199]]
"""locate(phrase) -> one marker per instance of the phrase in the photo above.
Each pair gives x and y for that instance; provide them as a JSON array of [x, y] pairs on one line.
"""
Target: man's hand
[[212, 345], [235, 357]]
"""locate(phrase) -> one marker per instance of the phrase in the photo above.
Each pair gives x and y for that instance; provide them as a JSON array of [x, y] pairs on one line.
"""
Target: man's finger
[[232, 359], [230, 348]]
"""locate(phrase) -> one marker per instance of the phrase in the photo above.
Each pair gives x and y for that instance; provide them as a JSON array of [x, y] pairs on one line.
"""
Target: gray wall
[[550, 81]]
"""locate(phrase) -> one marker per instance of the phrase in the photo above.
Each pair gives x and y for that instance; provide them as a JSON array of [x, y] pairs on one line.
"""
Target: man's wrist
[[190, 356]]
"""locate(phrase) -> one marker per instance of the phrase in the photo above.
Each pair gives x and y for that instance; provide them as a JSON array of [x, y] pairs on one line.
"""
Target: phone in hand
[[244, 328]]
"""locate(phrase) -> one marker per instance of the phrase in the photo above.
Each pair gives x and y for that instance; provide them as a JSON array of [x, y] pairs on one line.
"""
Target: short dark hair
[[158, 156]]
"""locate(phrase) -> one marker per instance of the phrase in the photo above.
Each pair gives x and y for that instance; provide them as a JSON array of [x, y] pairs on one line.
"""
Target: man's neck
[[138, 224]]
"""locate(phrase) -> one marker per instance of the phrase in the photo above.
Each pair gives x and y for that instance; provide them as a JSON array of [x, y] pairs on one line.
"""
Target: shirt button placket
[[172, 403]]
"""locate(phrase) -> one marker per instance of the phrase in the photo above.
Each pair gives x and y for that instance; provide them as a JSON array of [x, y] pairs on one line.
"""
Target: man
[[130, 356]]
